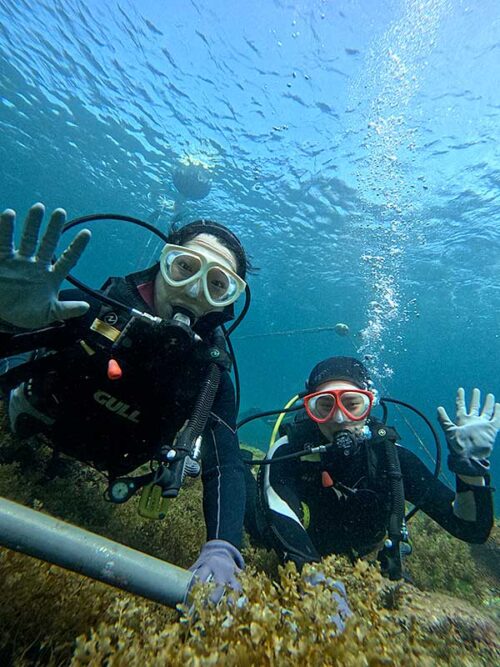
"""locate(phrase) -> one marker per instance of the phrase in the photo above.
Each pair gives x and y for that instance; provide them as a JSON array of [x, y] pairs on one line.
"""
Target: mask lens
[[181, 266], [321, 406], [355, 403], [220, 285]]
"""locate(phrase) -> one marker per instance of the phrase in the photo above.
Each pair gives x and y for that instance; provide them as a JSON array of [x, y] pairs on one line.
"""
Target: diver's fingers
[[474, 402], [52, 235], [72, 254], [489, 406], [29, 236], [460, 402], [496, 416], [7, 224], [443, 418], [65, 310]]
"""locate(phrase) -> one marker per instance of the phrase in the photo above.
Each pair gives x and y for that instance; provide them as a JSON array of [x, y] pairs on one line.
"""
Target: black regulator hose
[[227, 334], [397, 515], [278, 459], [437, 466], [171, 477], [386, 399], [107, 216], [234, 368], [237, 322], [114, 216]]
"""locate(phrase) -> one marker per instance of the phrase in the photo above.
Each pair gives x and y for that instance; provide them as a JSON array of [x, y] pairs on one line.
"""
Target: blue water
[[352, 145]]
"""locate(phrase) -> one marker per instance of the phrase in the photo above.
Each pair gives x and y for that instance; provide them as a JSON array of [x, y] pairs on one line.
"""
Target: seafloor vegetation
[[52, 617]]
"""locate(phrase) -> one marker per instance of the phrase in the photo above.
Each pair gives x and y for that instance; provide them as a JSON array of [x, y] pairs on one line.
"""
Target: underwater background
[[353, 146]]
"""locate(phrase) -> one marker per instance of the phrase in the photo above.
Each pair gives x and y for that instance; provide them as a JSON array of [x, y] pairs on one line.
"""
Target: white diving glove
[[29, 283], [471, 439]]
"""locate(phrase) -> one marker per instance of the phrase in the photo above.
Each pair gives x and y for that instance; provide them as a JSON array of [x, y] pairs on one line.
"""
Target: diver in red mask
[[347, 495]]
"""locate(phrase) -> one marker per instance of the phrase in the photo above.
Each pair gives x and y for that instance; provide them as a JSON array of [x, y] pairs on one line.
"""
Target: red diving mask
[[355, 404]]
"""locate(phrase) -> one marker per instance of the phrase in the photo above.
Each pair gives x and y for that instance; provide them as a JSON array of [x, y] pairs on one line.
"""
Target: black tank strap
[[381, 432], [375, 448]]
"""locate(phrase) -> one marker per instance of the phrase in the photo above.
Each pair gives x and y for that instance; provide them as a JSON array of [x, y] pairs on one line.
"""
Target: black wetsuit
[[304, 517], [116, 425]]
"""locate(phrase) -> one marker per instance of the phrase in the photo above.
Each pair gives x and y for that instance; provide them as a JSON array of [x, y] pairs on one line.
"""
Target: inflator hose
[[197, 422], [397, 508]]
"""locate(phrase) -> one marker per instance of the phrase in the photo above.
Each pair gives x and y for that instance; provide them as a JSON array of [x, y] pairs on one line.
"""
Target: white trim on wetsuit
[[274, 501], [214, 440]]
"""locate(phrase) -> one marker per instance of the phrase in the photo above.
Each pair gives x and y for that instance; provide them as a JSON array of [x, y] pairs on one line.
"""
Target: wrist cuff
[[462, 486], [470, 467]]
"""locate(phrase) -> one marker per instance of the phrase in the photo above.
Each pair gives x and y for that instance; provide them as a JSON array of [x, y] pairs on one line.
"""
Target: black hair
[[221, 233]]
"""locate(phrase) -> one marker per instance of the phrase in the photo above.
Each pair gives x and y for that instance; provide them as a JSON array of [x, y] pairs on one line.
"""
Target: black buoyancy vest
[[99, 419], [384, 472], [303, 432]]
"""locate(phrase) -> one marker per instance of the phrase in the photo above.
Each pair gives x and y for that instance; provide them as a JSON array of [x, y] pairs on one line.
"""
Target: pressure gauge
[[120, 491]]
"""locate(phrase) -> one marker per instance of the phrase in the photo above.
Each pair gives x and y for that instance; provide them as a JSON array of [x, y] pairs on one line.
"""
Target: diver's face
[[339, 421], [192, 296]]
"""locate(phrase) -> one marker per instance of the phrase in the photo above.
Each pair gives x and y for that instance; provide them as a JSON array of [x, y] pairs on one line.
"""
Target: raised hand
[[471, 439], [29, 282]]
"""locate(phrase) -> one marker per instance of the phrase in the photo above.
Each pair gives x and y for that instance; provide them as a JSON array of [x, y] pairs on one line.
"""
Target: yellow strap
[[89, 350], [281, 416], [152, 505], [106, 330], [306, 515]]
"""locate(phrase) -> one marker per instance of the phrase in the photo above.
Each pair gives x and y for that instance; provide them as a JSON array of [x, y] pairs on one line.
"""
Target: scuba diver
[[337, 480], [114, 381]]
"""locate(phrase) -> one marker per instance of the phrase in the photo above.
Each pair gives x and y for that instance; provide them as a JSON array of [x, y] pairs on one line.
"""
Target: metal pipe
[[54, 541]]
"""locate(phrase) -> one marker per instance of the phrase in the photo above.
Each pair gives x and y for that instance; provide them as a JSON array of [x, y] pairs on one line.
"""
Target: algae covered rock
[[53, 617], [285, 622], [440, 562]]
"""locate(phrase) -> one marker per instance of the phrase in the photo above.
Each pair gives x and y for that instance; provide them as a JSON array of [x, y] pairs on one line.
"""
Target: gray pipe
[[55, 541]]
